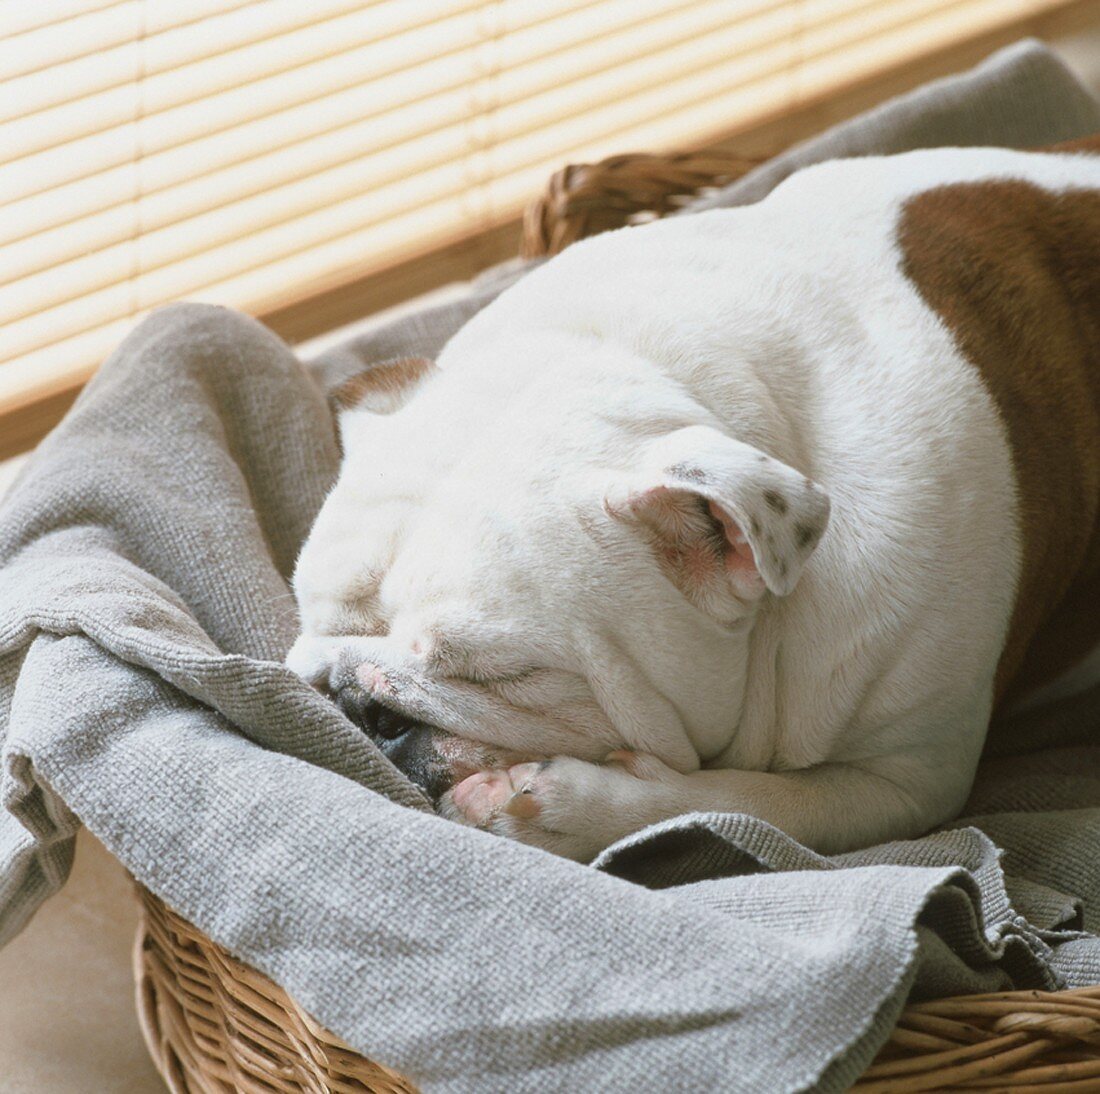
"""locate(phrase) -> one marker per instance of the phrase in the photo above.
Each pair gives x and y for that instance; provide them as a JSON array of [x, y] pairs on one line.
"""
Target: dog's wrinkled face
[[521, 565]]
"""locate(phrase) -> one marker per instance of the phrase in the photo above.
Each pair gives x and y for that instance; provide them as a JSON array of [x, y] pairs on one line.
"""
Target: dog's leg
[[576, 809]]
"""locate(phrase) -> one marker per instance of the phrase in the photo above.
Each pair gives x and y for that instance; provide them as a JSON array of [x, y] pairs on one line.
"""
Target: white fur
[[848, 711]]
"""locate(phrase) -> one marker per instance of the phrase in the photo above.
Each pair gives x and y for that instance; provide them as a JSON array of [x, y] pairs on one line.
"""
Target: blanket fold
[[144, 613]]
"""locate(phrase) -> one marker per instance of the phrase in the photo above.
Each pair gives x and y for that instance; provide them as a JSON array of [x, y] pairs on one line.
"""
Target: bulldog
[[761, 510]]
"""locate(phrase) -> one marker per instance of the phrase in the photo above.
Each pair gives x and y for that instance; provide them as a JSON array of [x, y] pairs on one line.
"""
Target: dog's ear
[[383, 388], [722, 516]]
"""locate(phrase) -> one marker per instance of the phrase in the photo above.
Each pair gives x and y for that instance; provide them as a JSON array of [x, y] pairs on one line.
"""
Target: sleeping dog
[[762, 510]]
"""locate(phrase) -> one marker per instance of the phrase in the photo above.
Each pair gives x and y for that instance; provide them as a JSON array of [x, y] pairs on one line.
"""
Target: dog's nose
[[378, 721], [385, 724], [409, 744]]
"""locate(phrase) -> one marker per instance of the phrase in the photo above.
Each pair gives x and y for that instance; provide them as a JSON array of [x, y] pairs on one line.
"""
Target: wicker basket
[[585, 199], [213, 1024]]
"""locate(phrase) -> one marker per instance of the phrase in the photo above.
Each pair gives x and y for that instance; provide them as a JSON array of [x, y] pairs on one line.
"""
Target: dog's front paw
[[565, 805]]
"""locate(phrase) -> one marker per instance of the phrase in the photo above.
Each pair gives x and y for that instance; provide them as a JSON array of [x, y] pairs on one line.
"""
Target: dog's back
[[1014, 270]]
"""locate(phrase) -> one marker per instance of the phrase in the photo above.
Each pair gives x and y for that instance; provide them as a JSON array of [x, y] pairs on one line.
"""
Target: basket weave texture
[[585, 199], [215, 1025]]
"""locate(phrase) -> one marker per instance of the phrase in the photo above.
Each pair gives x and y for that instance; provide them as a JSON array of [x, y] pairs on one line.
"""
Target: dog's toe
[[480, 797]]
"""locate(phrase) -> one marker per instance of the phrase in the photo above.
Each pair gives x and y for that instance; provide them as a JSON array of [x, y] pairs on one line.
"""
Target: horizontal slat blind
[[258, 153]]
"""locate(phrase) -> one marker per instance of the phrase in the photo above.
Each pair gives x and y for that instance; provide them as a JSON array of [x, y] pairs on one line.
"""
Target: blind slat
[[37, 36], [25, 17], [867, 23], [21, 96], [939, 27], [79, 36]]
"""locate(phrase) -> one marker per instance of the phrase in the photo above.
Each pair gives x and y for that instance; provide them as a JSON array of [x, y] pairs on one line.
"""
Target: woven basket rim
[[209, 1018]]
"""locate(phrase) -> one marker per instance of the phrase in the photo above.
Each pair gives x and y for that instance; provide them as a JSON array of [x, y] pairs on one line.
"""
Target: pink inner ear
[[738, 557]]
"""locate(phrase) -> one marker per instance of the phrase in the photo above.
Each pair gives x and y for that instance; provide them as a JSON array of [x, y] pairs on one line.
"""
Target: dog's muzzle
[[408, 744]]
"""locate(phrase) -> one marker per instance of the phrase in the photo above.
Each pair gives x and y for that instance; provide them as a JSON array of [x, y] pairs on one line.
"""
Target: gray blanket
[[144, 611]]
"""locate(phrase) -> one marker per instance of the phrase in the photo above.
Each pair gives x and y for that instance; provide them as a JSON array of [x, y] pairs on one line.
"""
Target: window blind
[[255, 154]]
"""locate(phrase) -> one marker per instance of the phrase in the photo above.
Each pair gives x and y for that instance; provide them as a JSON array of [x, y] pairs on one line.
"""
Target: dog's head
[[522, 562]]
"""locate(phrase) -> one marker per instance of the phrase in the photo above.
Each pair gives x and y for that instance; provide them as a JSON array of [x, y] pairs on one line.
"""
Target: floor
[[67, 1020]]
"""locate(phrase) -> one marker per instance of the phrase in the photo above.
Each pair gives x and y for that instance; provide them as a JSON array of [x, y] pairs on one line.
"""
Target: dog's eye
[[523, 676], [493, 679], [542, 689], [523, 687]]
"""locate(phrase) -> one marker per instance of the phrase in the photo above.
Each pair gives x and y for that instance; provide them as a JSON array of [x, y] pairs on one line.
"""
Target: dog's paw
[[565, 805]]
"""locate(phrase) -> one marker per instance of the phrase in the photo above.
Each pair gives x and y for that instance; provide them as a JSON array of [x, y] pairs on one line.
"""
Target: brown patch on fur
[[382, 389], [1014, 272]]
